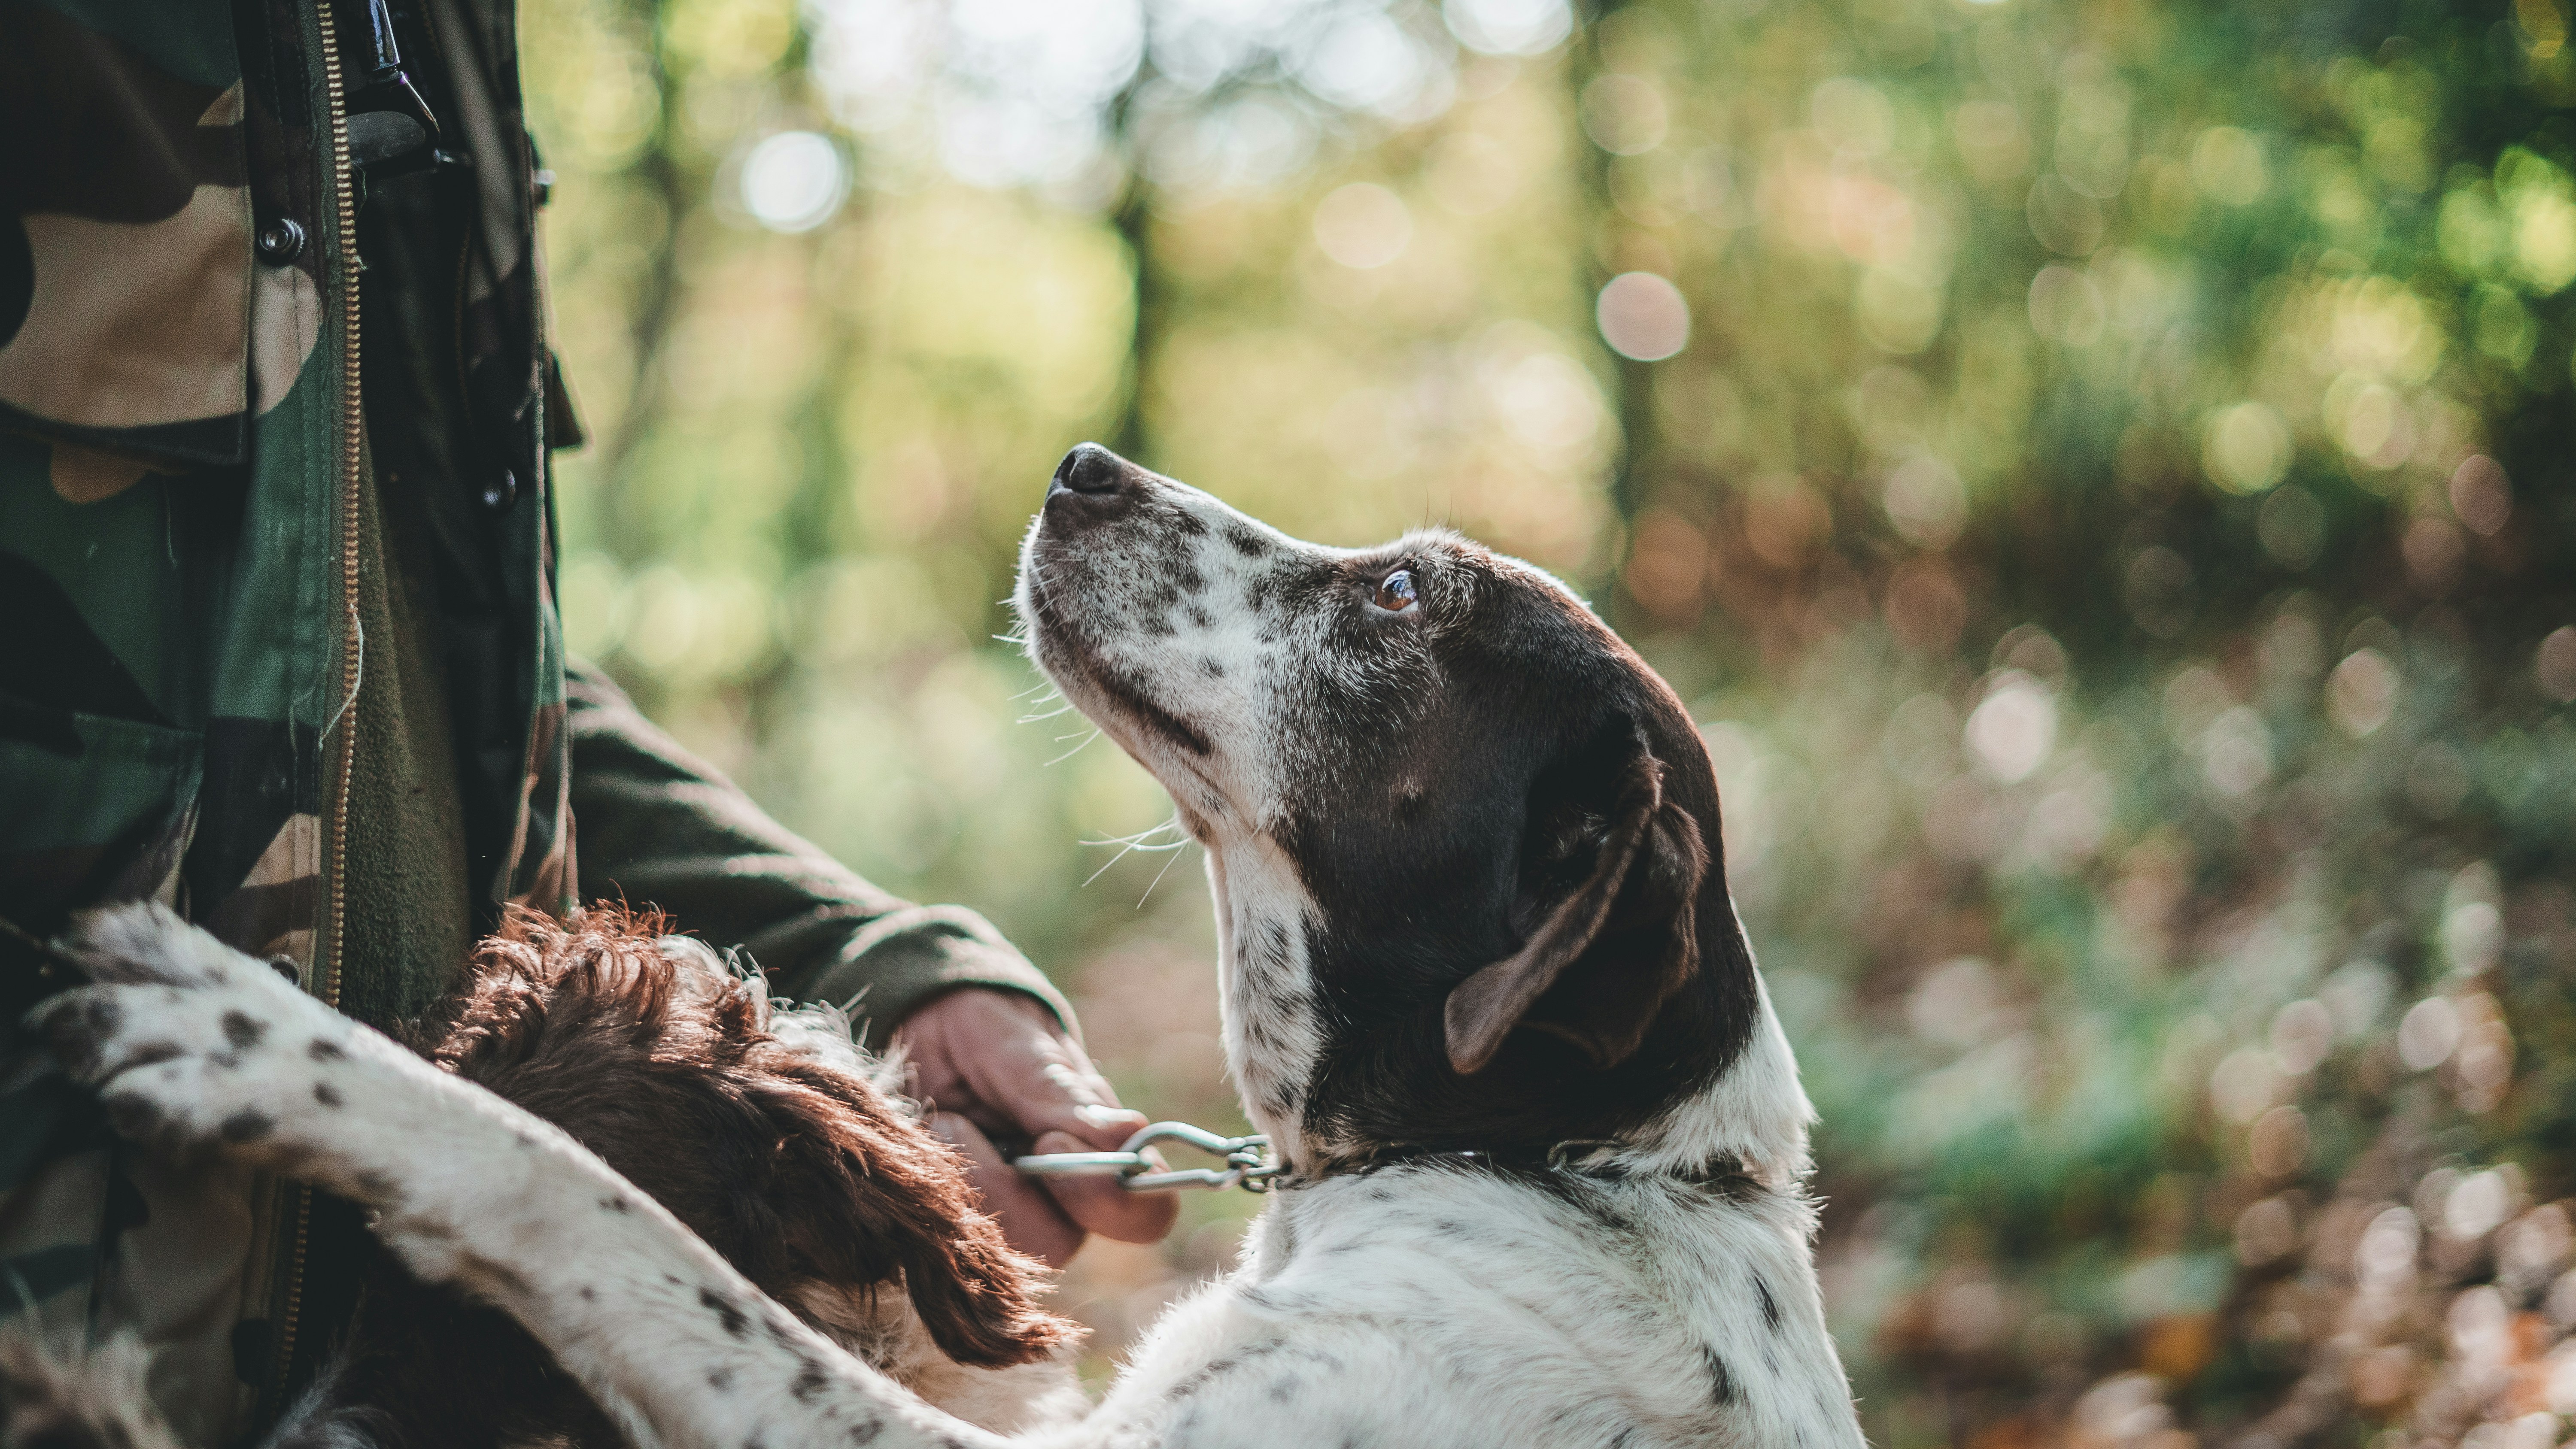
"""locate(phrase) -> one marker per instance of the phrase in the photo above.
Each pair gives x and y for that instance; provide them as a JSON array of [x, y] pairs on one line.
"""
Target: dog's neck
[[1754, 1113], [1271, 1037]]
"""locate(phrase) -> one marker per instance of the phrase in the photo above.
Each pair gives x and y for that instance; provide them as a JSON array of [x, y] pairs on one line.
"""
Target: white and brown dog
[[1484, 988]]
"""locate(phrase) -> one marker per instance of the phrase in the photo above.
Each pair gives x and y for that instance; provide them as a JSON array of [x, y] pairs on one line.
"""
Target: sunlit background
[[2099, 469]]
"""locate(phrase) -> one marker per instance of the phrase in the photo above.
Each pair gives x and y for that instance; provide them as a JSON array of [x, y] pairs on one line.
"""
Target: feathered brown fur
[[798, 1171]]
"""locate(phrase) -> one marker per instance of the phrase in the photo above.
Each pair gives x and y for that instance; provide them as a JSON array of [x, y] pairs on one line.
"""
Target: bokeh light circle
[[1625, 115], [2012, 730], [1509, 27], [794, 181], [2246, 448], [1643, 316], [1363, 225]]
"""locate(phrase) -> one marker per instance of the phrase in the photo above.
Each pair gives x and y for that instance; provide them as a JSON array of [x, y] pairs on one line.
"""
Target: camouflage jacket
[[277, 639]]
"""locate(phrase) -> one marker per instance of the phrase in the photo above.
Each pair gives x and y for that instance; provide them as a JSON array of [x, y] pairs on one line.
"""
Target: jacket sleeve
[[660, 827]]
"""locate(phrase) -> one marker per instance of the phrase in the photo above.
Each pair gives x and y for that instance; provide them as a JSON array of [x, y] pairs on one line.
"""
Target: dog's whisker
[[1069, 754], [1138, 841], [1175, 849]]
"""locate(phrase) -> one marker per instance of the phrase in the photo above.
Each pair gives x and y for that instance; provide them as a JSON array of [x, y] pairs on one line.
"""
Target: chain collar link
[[1248, 1164]]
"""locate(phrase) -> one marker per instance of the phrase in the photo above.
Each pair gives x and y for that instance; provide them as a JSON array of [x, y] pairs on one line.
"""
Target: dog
[[762, 1126], [1543, 1140]]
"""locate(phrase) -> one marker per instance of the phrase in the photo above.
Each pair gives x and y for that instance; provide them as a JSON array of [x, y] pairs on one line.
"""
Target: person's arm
[[994, 1047], [661, 827]]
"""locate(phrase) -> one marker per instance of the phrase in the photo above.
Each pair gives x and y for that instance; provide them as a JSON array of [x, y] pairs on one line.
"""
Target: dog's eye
[[1395, 592]]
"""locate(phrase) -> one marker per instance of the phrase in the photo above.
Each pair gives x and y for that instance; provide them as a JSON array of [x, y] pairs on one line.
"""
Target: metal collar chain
[[1247, 1161], [1248, 1164]]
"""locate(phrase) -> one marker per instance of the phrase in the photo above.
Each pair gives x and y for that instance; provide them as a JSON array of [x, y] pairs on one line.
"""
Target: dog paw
[[187, 1040]]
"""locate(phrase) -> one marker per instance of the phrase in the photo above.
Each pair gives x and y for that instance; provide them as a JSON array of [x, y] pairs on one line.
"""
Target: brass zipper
[[352, 442], [343, 259]]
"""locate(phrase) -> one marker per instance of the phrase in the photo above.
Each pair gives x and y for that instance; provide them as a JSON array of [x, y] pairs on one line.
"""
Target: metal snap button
[[280, 242]]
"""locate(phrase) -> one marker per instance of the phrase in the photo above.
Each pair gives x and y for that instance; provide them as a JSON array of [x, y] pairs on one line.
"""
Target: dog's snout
[[1090, 469]]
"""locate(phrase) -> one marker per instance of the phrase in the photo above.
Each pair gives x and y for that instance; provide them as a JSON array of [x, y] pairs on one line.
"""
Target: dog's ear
[[1610, 873], [860, 1193], [798, 1172]]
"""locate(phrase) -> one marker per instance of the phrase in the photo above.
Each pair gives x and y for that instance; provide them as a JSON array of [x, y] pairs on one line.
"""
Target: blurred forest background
[[2100, 469]]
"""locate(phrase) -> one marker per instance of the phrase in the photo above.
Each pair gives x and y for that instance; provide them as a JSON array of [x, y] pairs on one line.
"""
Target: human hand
[[996, 1063]]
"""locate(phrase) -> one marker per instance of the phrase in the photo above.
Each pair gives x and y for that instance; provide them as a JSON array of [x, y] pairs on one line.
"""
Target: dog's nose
[[1089, 469]]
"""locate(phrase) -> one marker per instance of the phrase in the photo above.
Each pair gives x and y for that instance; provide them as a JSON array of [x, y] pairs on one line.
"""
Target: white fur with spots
[[1230, 659]]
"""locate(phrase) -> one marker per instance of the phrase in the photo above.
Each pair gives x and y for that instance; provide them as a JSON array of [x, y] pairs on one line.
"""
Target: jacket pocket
[[91, 809]]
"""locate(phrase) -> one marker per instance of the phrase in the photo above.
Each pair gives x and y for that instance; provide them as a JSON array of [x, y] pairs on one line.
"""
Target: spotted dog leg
[[195, 1047]]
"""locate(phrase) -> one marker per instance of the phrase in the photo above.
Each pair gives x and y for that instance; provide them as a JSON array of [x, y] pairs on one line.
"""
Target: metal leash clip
[[1247, 1161]]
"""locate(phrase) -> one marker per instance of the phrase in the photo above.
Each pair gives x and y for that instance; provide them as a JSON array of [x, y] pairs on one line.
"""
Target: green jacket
[[278, 641]]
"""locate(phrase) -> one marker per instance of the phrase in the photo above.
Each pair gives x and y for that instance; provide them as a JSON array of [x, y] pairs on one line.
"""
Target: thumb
[[1099, 1204], [1069, 1110]]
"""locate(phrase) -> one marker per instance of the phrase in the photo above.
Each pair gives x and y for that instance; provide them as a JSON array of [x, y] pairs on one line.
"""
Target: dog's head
[[1464, 841]]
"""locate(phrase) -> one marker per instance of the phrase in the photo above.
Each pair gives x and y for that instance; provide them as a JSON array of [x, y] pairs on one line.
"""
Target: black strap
[[1559, 1159]]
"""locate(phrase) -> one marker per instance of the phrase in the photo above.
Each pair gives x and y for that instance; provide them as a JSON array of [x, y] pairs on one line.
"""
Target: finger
[[1014, 1071], [1053, 1088], [1029, 1218], [1100, 1205], [1003, 1060]]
